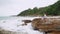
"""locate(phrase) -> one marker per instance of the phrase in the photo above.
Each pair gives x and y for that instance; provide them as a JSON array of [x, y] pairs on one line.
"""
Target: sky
[[14, 7]]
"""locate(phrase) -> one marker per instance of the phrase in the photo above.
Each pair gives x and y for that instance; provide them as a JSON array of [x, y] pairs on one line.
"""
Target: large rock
[[46, 24]]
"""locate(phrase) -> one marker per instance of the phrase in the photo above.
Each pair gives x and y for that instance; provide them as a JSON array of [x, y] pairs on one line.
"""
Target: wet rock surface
[[26, 21]]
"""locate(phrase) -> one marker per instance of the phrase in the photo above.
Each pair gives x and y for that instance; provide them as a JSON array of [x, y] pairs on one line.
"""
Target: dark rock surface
[[26, 21]]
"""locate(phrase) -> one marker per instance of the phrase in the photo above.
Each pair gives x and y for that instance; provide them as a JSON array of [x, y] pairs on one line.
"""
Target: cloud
[[4, 2]]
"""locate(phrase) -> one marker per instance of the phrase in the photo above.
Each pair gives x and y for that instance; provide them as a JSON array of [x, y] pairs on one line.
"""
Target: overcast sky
[[14, 7]]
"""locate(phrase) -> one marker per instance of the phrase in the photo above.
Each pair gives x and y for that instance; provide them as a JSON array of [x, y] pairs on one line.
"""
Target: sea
[[14, 24]]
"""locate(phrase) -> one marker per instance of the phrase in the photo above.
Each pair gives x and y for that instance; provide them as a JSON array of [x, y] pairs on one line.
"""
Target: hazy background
[[14, 7]]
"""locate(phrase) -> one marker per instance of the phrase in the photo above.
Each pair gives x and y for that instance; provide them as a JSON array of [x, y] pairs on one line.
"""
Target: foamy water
[[11, 24]]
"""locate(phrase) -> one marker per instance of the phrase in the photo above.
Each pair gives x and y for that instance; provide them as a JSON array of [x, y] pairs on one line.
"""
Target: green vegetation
[[49, 10]]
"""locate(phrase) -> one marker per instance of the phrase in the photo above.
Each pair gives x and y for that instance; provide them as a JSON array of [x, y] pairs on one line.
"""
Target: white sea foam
[[11, 24]]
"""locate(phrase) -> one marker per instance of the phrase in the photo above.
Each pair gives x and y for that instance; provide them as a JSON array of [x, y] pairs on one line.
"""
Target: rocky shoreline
[[47, 25], [11, 32]]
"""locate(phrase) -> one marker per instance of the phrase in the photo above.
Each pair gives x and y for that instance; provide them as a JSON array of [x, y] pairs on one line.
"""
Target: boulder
[[46, 24]]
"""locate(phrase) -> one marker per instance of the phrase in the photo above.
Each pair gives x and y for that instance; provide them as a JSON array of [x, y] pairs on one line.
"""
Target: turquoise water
[[4, 17], [13, 17]]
